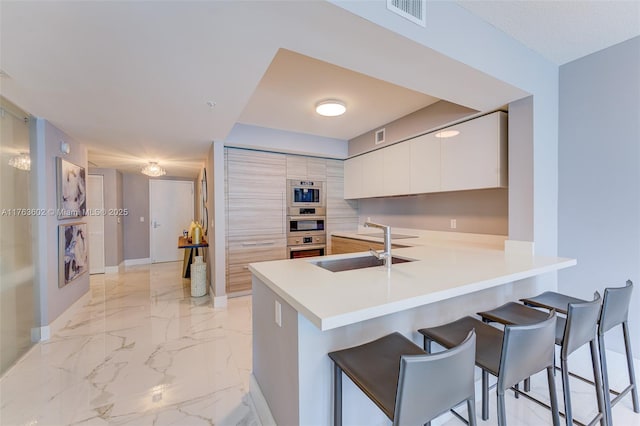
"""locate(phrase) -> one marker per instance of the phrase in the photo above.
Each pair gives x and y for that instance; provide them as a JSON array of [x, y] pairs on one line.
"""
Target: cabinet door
[[425, 164], [474, 158], [353, 177], [316, 169], [396, 170], [255, 215], [296, 167], [255, 172], [372, 174]]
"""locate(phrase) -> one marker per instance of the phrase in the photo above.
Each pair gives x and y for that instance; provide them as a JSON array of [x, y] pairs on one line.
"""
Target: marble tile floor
[[142, 351]]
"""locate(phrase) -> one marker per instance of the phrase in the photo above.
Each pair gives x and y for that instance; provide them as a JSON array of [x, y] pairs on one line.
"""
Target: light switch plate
[[278, 314]]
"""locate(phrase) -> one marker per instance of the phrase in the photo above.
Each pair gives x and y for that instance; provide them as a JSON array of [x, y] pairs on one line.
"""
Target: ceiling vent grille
[[413, 10]]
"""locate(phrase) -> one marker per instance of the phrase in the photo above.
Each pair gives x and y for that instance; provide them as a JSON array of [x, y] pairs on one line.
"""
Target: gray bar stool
[[510, 355], [615, 311], [578, 329], [399, 377]]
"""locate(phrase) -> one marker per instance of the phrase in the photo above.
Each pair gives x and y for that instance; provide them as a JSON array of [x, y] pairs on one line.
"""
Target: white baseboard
[[259, 403], [54, 326], [114, 269], [218, 301], [132, 262]]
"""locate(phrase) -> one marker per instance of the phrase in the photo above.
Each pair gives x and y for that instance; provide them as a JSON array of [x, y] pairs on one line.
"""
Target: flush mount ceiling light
[[22, 161], [331, 108], [153, 169], [447, 133]]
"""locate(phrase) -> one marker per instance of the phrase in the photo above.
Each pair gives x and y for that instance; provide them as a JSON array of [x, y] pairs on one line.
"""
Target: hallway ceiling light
[[153, 169], [447, 133], [331, 108], [22, 161]]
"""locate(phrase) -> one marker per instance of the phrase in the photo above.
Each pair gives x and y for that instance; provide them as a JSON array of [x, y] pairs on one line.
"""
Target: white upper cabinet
[[396, 171], [425, 164], [476, 158], [372, 174], [353, 178]]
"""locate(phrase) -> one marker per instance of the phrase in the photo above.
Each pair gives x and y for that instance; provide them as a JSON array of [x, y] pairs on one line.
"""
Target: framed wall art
[[72, 189], [73, 252]]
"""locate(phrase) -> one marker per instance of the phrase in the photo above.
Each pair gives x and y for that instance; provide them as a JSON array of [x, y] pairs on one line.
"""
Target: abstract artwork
[[73, 252], [72, 189]]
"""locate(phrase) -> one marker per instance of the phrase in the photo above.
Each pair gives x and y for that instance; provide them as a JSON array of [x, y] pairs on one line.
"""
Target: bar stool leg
[[605, 379], [485, 395], [598, 381], [553, 397], [566, 391], [471, 411], [502, 418], [337, 395], [632, 376]]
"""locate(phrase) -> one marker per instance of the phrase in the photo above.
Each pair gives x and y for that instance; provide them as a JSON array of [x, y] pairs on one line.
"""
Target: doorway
[[171, 211], [95, 221]]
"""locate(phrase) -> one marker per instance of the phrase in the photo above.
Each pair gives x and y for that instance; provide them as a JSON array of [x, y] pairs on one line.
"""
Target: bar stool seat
[[374, 365], [514, 313], [510, 355], [572, 332], [552, 300], [399, 377]]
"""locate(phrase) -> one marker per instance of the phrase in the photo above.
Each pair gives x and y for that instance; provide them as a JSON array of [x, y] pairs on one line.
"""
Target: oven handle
[[307, 218], [307, 247]]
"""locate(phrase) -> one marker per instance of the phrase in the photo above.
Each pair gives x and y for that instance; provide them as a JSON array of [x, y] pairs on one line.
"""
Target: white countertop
[[444, 268]]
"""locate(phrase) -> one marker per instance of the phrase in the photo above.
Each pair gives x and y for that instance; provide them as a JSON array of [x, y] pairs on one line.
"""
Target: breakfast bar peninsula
[[302, 311]]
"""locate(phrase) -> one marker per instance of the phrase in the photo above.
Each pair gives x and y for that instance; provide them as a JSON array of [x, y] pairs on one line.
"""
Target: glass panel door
[[18, 312]]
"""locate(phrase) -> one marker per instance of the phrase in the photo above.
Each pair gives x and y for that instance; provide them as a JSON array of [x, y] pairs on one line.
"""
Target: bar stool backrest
[[581, 325], [615, 307], [429, 385], [526, 350]]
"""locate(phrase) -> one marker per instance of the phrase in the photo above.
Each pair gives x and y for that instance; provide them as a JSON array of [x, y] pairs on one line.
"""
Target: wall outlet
[[453, 224], [278, 314], [368, 218], [141, 218]]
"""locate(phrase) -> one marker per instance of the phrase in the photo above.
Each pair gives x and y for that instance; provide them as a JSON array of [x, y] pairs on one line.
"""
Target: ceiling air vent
[[413, 10], [379, 138]]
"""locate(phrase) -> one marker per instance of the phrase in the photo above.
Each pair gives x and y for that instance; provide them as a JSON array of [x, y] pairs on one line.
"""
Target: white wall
[[244, 135], [599, 209]]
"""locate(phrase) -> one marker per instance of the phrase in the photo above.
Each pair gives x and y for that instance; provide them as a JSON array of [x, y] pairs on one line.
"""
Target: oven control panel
[[303, 239]]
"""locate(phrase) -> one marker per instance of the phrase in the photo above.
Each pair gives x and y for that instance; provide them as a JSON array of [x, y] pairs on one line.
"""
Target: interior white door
[[171, 211], [95, 222]]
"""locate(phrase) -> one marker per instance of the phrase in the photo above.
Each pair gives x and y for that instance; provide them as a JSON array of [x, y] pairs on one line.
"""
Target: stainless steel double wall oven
[[306, 218]]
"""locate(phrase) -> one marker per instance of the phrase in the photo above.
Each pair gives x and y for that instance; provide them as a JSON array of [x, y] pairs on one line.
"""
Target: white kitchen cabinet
[[424, 165], [476, 158], [396, 173], [372, 174], [353, 174]]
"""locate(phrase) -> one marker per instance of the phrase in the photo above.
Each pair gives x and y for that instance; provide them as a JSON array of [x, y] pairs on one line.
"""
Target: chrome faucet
[[386, 254]]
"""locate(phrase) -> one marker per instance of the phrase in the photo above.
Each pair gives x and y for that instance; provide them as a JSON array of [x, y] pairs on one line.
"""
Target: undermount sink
[[352, 263]]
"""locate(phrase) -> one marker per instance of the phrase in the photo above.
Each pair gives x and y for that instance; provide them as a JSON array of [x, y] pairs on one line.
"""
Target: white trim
[[259, 403], [114, 269], [239, 293], [132, 262], [57, 324], [217, 301]]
